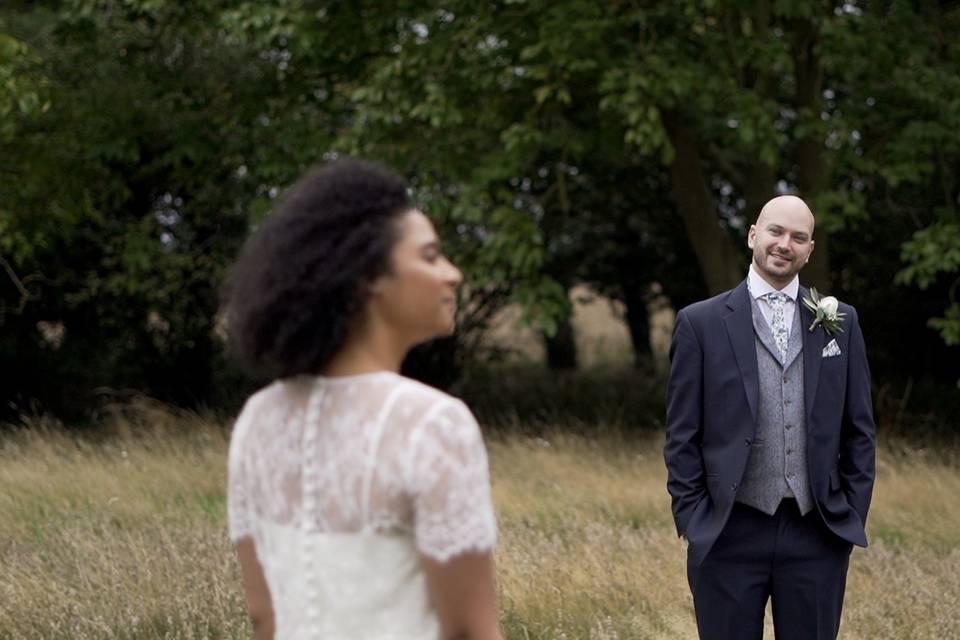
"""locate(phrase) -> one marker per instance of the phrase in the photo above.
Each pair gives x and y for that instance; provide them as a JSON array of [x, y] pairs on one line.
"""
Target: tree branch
[[20, 284], [721, 261]]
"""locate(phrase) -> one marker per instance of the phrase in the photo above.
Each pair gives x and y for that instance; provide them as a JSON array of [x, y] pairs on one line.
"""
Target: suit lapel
[[739, 325], [813, 343], [795, 345], [762, 329]]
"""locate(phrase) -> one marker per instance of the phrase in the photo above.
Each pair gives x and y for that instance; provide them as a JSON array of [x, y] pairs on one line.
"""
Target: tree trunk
[[561, 347], [811, 163], [758, 190], [638, 322], [723, 264], [759, 184]]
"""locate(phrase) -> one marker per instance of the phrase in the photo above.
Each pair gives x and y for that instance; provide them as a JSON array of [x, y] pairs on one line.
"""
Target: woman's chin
[[447, 331]]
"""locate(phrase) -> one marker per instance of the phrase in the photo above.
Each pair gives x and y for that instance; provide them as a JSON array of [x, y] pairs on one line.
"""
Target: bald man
[[770, 444]]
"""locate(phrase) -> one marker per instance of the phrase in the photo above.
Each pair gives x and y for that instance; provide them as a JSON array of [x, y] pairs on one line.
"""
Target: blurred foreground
[[121, 534]]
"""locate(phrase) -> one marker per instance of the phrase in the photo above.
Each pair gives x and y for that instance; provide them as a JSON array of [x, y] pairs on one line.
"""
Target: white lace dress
[[341, 483]]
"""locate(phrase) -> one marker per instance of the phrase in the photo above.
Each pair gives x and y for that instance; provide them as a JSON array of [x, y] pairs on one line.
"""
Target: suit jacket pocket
[[835, 480], [835, 506], [700, 515], [713, 479]]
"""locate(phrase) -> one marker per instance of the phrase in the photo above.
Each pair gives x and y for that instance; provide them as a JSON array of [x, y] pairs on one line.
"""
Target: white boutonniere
[[825, 310]]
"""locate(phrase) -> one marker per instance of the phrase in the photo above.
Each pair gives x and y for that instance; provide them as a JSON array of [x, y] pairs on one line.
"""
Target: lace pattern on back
[[376, 452]]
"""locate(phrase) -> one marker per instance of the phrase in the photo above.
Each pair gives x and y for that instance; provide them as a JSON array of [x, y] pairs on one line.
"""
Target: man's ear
[[752, 236], [812, 246]]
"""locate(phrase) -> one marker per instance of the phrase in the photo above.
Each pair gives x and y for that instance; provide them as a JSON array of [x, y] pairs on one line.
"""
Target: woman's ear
[[375, 287]]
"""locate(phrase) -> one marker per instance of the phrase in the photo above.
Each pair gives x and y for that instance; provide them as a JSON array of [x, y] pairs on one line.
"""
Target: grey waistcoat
[[777, 466]]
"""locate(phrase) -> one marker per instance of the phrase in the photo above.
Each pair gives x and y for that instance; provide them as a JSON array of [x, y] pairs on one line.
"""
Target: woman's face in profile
[[417, 297]]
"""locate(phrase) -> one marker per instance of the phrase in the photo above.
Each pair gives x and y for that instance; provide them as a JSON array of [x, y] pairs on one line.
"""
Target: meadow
[[120, 534]]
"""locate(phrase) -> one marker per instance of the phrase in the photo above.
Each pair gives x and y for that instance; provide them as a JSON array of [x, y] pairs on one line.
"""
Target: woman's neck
[[367, 352]]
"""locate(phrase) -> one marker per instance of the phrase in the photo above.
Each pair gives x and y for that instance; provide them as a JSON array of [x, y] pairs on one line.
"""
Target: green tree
[[919, 158], [555, 143], [125, 197]]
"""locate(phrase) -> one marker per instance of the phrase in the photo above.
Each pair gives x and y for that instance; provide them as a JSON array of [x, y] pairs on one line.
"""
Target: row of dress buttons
[[309, 507]]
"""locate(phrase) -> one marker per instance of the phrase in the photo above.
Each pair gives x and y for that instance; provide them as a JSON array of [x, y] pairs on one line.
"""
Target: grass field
[[123, 536]]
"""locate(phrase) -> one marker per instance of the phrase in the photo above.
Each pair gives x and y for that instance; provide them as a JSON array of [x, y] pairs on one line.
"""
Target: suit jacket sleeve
[[857, 464], [682, 452]]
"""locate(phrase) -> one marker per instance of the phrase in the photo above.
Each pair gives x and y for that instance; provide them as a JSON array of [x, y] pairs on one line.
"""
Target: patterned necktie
[[778, 324]]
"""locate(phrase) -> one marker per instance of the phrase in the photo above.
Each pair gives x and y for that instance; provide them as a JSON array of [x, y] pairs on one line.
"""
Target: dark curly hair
[[303, 276]]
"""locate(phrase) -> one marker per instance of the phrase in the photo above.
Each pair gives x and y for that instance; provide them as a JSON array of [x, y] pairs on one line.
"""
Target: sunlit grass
[[123, 536]]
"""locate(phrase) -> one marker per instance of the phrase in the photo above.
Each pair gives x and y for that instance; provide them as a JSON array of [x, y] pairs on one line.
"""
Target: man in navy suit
[[770, 443]]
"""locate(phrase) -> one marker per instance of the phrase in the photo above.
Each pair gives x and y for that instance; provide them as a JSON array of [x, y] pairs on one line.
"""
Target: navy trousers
[[792, 559]]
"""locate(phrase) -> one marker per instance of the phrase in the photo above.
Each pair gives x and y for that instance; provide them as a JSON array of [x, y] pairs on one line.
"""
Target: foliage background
[[627, 145]]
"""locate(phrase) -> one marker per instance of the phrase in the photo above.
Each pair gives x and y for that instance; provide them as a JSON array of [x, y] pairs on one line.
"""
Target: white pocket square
[[832, 349]]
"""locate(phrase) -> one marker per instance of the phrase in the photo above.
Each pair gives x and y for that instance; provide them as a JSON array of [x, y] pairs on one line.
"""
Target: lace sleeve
[[238, 499], [450, 482]]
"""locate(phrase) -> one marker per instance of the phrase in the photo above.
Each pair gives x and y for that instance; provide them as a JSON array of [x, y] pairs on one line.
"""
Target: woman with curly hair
[[358, 500]]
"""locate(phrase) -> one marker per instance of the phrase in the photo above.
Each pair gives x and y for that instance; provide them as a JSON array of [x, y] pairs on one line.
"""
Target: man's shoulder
[[709, 308], [847, 309], [850, 318]]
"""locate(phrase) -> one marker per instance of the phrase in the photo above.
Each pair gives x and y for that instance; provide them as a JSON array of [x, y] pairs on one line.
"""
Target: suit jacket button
[[747, 442], [733, 487]]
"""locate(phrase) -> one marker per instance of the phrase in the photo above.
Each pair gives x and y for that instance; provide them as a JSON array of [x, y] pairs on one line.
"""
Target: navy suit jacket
[[712, 400]]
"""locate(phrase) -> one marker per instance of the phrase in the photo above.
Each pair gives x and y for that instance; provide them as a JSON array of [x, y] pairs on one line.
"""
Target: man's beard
[[766, 263]]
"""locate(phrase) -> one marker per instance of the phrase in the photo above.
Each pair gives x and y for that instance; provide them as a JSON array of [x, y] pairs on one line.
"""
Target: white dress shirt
[[759, 288]]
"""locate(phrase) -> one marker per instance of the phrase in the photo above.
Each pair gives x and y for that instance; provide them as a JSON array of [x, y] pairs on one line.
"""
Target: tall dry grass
[[123, 536]]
